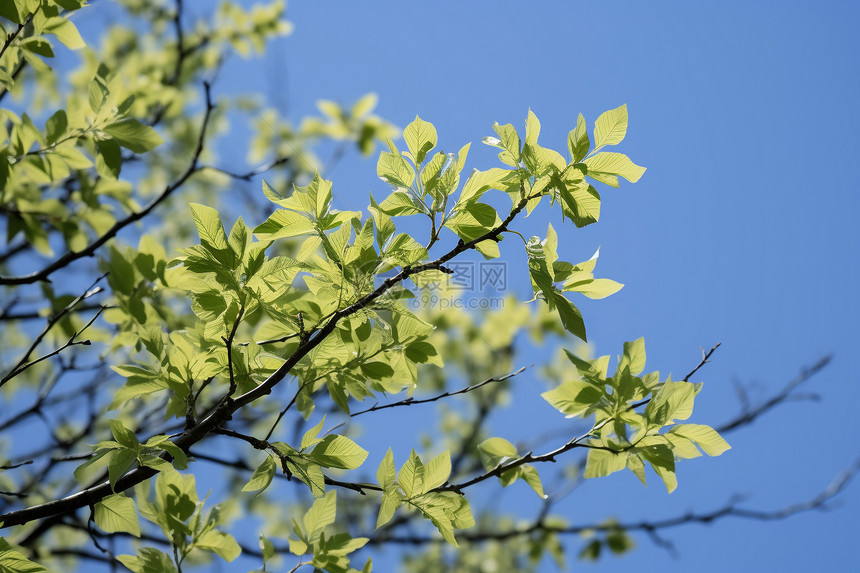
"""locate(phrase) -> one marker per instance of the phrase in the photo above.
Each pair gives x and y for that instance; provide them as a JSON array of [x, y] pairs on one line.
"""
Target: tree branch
[[412, 401], [22, 363], [228, 405], [817, 503], [249, 175], [748, 416], [89, 250]]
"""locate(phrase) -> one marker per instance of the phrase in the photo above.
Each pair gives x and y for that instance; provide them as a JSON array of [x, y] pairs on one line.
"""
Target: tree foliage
[[160, 351]]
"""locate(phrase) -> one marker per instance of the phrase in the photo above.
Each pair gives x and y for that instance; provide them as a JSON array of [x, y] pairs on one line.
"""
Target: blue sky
[[742, 231]]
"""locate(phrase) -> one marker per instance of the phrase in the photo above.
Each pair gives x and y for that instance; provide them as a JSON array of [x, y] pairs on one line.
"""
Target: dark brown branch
[[14, 34], [228, 405], [71, 342], [412, 401], [249, 175], [228, 342], [551, 456], [361, 488], [180, 43], [22, 363], [32, 315], [15, 74], [818, 503], [705, 359], [81, 554], [748, 416], [14, 250], [89, 250]]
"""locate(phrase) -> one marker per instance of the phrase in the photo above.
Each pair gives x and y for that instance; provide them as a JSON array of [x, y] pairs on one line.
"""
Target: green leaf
[[390, 501], [133, 135], [610, 127], [385, 474], [123, 435], [577, 140], [633, 356], [663, 463], [209, 226], [420, 137], [472, 220], [496, 451], [574, 397], [364, 105], [532, 128], [403, 250], [56, 127], [619, 542], [12, 561], [37, 45], [310, 437], [530, 475], [121, 277], [637, 466], [597, 288], [480, 181], [320, 515], [338, 452], [120, 462], [411, 476], [672, 401], [394, 169], [71, 5], [108, 158], [262, 476], [509, 141], [608, 163], [148, 560], [401, 203], [14, 11], [603, 463], [570, 316], [283, 223], [310, 474], [65, 32], [220, 543], [704, 436], [437, 471], [580, 201], [267, 548], [116, 513], [384, 225], [98, 89], [591, 552]]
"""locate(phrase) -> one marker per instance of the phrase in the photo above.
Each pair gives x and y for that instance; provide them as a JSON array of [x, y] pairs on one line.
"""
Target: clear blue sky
[[742, 231]]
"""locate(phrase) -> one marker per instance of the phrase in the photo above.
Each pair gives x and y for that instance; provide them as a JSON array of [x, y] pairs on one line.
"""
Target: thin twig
[[22, 363], [748, 416], [705, 359], [412, 401], [818, 503], [249, 175]]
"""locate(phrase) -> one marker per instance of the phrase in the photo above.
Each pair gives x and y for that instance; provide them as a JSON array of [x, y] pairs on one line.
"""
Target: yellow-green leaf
[[133, 135], [611, 127], [116, 513], [704, 436], [614, 164]]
